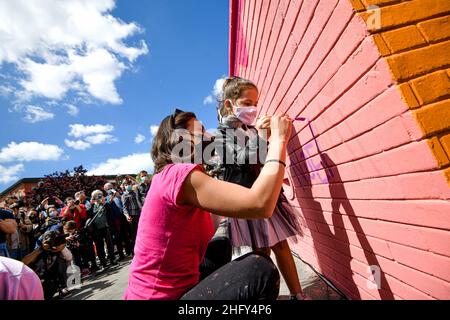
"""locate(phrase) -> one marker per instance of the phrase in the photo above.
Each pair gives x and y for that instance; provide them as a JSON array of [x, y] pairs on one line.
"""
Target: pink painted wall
[[367, 189]]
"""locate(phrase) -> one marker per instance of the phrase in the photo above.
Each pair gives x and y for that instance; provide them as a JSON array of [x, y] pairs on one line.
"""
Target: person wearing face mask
[[176, 223], [132, 210], [74, 210], [100, 227], [141, 176], [242, 144], [142, 189], [121, 229], [52, 223]]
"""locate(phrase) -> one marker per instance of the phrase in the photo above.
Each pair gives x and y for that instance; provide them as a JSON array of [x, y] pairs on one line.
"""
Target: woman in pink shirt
[[176, 225]]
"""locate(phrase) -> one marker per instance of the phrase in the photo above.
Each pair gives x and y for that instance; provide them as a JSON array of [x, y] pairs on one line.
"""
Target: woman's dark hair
[[166, 139], [232, 90], [52, 239], [70, 225]]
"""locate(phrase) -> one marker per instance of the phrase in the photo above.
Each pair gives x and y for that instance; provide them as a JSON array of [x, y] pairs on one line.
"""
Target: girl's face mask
[[246, 114]]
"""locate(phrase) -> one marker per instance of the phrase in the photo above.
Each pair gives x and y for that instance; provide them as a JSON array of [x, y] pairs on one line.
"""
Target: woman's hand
[[281, 127]]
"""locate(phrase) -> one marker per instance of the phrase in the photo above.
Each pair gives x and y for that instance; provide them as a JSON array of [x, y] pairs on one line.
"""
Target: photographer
[[33, 217], [13, 202], [19, 241], [76, 211], [142, 189], [50, 260], [50, 201], [99, 226], [8, 225], [83, 200], [51, 223], [73, 241]]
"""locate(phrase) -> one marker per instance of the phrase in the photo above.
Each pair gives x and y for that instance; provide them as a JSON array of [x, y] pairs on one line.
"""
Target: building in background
[[369, 168], [21, 187]]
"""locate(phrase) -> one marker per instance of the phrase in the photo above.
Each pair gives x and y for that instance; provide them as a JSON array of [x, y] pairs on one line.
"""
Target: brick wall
[[369, 170]]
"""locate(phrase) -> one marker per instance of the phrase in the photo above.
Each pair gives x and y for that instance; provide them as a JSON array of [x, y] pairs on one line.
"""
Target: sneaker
[[94, 268], [104, 264]]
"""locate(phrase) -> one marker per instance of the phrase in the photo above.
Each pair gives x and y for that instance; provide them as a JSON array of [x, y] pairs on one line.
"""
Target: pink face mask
[[246, 114]]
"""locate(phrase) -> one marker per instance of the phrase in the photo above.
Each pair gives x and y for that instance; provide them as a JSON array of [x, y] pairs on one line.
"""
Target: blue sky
[[70, 97]]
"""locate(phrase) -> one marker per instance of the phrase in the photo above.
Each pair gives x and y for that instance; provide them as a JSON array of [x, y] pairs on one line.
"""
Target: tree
[[65, 184]]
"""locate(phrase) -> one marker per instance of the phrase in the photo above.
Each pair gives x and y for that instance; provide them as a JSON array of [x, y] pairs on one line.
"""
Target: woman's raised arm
[[232, 200]]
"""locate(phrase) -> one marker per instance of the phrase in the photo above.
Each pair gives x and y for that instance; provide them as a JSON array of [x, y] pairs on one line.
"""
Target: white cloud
[[154, 130], [37, 114], [215, 94], [126, 165], [101, 138], [62, 46], [72, 110], [139, 138], [208, 100], [6, 90], [9, 174], [80, 130], [77, 145], [89, 135], [47, 80], [30, 151]]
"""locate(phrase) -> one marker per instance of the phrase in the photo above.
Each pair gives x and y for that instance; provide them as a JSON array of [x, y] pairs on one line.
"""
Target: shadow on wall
[[313, 213]]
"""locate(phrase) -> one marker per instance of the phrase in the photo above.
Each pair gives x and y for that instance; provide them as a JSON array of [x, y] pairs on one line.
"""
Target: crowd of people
[[80, 235]]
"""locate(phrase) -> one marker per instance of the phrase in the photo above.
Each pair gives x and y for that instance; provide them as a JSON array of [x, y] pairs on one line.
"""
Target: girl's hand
[[263, 126], [281, 127], [263, 122]]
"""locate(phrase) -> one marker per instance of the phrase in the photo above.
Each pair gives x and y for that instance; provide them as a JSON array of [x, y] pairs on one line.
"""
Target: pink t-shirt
[[18, 282], [171, 240]]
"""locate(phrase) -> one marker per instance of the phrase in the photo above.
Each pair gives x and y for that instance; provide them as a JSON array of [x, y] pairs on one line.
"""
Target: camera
[[51, 201], [77, 202], [52, 240], [32, 217], [98, 197], [72, 240], [16, 205]]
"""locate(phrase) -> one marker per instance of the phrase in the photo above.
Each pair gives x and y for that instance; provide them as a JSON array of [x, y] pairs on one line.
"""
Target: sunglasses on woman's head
[[174, 115]]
